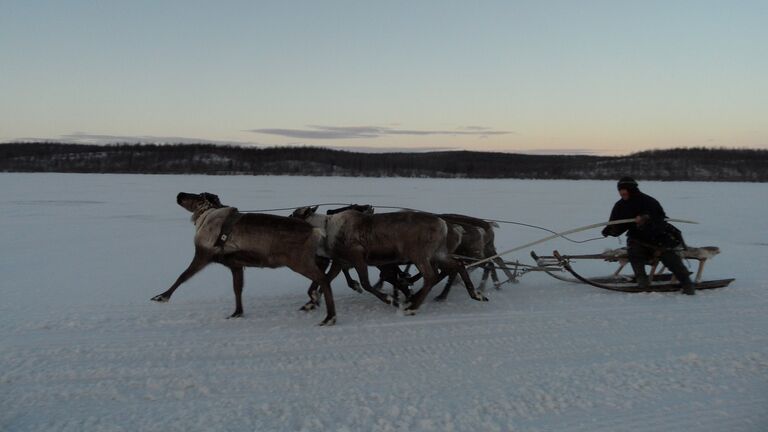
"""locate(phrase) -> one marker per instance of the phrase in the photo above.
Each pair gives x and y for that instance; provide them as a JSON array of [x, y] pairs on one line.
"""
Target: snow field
[[83, 348]]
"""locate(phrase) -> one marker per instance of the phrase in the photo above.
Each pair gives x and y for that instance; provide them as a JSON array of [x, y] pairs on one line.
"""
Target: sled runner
[[660, 281]]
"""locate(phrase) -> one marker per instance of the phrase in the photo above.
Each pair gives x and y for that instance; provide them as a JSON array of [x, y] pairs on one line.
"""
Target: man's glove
[[608, 230]]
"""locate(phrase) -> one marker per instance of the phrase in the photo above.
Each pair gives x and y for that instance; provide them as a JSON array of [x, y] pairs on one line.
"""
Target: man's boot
[[675, 264], [688, 288], [641, 278]]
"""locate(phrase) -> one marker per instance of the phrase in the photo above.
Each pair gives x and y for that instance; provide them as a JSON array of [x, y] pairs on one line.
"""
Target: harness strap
[[227, 226]]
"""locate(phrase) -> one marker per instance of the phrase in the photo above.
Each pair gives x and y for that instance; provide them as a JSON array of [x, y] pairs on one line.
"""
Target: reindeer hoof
[[328, 321], [308, 307], [440, 298], [409, 312], [236, 315], [161, 298], [479, 297], [357, 287]]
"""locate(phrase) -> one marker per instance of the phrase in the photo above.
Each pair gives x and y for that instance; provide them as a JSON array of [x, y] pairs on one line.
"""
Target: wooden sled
[[659, 281]]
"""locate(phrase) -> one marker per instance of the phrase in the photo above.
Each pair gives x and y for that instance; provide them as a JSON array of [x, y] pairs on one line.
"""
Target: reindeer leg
[[378, 285], [484, 279], [429, 281], [388, 274], [415, 278], [510, 276], [495, 278], [444, 295], [473, 293], [391, 273], [402, 287], [314, 295], [382, 278], [198, 263], [353, 284], [330, 306], [402, 279], [315, 274], [362, 270], [308, 267], [237, 285], [314, 298], [442, 274]]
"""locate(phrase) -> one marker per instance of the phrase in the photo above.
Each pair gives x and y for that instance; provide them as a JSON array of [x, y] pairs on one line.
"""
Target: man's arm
[[615, 230], [654, 210]]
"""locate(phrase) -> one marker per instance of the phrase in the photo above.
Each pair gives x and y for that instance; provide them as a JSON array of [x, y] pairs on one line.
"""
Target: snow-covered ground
[[83, 349]]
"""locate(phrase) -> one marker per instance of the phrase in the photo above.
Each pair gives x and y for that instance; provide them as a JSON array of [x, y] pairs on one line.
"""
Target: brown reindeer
[[388, 273], [236, 240], [478, 242], [405, 237]]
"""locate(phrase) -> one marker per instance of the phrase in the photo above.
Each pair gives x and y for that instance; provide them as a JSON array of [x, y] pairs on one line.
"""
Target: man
[[650, 236]]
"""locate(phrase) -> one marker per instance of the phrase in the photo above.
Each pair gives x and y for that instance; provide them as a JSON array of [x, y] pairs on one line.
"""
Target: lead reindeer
[[405, 237], [236, 240]]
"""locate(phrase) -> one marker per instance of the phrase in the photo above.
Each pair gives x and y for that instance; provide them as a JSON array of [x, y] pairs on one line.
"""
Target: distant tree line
[[702, 164]]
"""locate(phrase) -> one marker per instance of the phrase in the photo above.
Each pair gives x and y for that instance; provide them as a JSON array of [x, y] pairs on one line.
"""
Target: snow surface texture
[[83, 349]]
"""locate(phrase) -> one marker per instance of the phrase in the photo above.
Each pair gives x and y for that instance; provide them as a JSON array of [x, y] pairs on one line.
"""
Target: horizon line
[[371, 149]]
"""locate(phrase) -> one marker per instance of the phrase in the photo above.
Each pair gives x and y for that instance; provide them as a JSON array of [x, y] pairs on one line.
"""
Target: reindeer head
[[198, 203], [304, 213], [366, 209]]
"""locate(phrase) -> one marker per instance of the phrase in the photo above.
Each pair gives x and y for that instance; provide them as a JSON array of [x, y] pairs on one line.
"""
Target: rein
[[563, 235]]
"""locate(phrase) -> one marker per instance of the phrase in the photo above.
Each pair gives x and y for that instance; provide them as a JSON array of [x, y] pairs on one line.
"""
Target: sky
[[603, 77]]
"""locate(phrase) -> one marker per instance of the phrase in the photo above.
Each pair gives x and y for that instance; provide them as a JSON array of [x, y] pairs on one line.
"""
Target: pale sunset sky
[[603, 77]]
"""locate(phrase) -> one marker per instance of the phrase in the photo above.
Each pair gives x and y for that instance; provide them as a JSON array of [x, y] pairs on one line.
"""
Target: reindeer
[[305, 213], [361, 240], [391, 273], [470, 238], [235, 240], [478, 242]]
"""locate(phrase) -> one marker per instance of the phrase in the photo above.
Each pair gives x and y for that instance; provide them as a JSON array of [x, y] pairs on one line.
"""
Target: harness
[[227, 226]]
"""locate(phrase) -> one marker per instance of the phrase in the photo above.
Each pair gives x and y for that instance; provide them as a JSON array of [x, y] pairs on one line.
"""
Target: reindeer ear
[[212, 198], [313, 210], [301, 213]]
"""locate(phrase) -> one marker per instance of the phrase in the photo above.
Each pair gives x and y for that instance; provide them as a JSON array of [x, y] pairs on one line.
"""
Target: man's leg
[[675, 264], [638, 256]]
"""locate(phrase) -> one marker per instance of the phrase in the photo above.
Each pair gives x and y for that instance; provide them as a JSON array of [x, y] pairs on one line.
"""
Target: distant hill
[[700, 164]]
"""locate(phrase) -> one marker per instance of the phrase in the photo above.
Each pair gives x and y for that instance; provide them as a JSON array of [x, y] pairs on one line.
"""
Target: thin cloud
[[476, 128], [365, 132], [366, 149], [322, 132]]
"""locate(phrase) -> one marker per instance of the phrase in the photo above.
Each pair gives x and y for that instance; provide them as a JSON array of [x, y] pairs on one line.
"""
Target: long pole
[[564, 233]]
